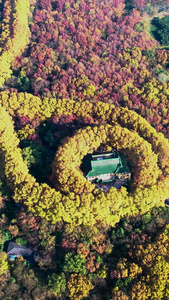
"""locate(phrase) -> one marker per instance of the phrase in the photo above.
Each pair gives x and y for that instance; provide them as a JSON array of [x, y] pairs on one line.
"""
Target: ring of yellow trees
[[122, 128], [67, 175]]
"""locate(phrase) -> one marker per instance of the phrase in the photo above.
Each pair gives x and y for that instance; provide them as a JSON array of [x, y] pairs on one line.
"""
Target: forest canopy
[[75, 77], [160, 29]]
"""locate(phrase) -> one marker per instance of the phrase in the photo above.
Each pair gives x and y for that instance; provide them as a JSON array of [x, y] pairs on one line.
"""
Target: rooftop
[[105, 163], [15, 250]]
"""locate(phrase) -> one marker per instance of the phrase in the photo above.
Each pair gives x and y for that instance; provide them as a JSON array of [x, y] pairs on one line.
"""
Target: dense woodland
[[77, 76]]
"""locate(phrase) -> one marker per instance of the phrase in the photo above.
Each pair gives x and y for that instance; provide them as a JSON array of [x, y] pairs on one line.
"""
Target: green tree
[[74, 263], [3, 263], [161, 30], [57, 283]]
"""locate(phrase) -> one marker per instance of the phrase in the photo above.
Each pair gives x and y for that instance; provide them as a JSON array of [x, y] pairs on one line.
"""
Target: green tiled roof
[[92, 173], [105, 166]]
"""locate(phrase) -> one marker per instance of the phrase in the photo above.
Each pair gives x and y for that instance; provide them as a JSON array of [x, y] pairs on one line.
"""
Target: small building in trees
[[167, 202], [14, 250], [107, 167]]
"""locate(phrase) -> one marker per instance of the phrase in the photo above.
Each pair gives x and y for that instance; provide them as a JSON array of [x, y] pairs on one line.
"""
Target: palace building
[[107, 167]]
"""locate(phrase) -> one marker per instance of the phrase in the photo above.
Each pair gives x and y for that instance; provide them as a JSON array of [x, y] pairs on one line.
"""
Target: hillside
[[79, 78]]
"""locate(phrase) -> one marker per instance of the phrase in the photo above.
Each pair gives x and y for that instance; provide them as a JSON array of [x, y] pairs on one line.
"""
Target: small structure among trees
[[107, 167], [167, 202], [14, 250]]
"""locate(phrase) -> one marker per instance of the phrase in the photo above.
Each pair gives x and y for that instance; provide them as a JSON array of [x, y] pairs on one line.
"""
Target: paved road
[[161, 14]]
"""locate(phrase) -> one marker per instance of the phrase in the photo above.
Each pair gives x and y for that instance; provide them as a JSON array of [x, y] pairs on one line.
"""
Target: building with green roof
[[106, 167]]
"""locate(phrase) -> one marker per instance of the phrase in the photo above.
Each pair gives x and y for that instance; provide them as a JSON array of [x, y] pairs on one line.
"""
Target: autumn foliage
[[77, 200], [77, 77], [79, 286], [15, 34]]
